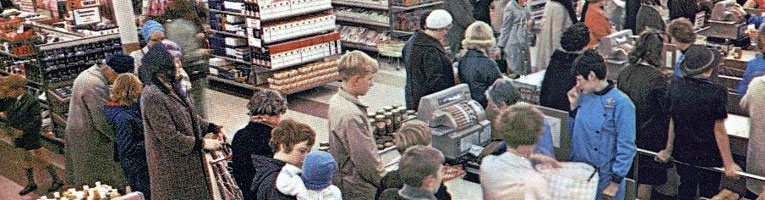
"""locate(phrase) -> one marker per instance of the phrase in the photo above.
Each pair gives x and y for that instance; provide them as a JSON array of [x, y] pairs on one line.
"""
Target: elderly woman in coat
[[514, 36], [476, 68], [89, 136], [174, 133]]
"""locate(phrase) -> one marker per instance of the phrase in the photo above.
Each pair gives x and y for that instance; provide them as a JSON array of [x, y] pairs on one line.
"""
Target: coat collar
[[409, 192], [351, 98], [423, 39], [605, 90], [475, 54]]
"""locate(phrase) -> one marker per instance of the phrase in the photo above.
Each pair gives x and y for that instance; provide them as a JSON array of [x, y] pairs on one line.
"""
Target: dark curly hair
[[289, 133], [649, 48], [589, 61], [267, 102], [575, 38]]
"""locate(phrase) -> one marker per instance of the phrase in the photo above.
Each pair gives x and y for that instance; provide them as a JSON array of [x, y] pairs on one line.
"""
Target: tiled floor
[[10, 190]]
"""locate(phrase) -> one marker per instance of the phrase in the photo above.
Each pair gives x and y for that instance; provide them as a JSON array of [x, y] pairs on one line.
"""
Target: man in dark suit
[[22, 113]]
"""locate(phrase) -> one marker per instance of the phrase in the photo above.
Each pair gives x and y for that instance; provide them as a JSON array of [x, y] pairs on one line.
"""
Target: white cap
[[438, 19]]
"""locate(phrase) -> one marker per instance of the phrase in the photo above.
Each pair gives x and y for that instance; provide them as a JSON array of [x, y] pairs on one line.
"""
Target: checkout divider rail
[[715, 169]]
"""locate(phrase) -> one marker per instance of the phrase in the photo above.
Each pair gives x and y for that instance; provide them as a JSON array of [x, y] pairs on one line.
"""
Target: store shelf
[[293, 91], [231, 82], [364, 22], [360, 46], [228, 34], [360, 4], [402, 8], [228, 13], [30, 56], [232, 60], [399, 32]]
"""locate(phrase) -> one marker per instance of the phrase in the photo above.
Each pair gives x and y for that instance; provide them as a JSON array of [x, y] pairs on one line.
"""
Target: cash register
[[724, 27], [614, 48], [460, 129]]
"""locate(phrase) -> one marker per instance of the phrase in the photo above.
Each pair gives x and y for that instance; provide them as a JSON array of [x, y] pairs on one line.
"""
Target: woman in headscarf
[[558, 16], [174, 133], [596, 20]]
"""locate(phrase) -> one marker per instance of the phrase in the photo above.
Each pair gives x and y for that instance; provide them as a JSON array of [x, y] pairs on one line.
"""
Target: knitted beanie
[[318, 169], [699, 59], [438, 19], [155, 60], [150, 27], [575, 37], [120, 63]]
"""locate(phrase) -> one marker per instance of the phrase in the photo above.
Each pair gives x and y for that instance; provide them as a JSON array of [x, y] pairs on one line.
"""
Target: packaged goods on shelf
[[307, 76], [408, 21], [61, 62], [363, 16], [374, 4], [267, 33], [297, 51], [271, 10], [409, 3], [362, 35]]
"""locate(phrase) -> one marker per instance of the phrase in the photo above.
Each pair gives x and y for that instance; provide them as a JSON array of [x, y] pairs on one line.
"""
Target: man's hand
[[731, 170], [610, 191], [663, 156], [762, 196]]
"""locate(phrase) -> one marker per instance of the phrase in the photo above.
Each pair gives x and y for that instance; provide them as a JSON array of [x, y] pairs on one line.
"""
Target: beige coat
[[509, 176], [556, 20], [352, 144], [754, 102], [89, 136]]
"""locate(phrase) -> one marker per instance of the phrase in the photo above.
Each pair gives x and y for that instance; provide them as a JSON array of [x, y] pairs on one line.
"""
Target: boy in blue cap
[[315, 181]]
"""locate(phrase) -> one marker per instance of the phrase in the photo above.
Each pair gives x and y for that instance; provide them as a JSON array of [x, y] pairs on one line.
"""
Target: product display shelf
[[354, 45], [405, 16], [279, 36], [407, 8], [363, 21], [228, 34], [377, 5]]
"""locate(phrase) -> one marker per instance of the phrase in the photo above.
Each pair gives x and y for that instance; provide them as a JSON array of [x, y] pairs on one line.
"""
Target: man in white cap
[[428, 68]]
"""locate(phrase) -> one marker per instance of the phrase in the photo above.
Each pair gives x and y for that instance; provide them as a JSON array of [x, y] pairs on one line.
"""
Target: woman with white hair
[[476, 68]]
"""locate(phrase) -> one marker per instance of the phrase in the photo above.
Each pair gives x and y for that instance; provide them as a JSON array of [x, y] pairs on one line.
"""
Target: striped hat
[[412, 133]]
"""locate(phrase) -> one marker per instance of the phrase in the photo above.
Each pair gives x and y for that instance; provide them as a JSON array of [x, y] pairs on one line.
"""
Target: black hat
[[155, 60], [698, 60], [575, 37], [120, 63]]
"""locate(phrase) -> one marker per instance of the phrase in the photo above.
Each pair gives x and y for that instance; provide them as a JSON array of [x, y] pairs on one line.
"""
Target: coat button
[[596, 149], [605, 115], [598, 132]]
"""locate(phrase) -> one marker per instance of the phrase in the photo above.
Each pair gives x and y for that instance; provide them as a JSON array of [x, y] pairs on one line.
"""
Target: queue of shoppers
[[150, 132]]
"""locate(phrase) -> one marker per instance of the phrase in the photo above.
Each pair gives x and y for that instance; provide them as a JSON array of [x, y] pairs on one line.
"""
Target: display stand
[[269, 44], [59, 64], [363, 23]]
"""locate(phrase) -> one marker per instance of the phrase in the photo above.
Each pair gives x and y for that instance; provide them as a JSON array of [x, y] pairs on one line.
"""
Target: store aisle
[[10, 190]]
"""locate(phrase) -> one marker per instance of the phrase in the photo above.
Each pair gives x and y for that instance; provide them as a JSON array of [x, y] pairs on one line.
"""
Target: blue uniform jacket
[[604, 135], [754, 68]]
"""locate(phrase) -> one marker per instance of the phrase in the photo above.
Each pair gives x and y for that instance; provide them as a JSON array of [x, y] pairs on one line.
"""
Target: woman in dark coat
[[482, 10], [429, 68], [266, 108], [124, 114], [174, 133], [649, 16], [558, 78], [645, 84], [683, 8], [476, 68]]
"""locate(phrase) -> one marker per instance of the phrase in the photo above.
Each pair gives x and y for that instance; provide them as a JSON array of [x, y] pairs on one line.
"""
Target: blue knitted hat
[[318, 169], [150, 27]]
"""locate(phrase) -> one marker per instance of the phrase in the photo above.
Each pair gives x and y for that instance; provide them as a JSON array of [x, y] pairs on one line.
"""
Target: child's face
[[298, 153]]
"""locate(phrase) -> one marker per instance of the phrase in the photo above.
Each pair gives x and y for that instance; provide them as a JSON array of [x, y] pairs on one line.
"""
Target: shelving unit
[[261, 38], [405, 15], [365, 23]]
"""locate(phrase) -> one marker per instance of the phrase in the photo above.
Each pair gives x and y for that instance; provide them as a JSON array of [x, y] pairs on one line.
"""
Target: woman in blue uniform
[[604, 125]]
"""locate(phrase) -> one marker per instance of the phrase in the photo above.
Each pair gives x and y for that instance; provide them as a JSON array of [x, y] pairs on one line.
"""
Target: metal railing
[[715, 169]]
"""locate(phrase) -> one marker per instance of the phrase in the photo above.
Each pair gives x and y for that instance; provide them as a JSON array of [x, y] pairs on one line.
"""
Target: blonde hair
[[127, 89], [479, 35], [412, 133], [519, 124], [356, 63]]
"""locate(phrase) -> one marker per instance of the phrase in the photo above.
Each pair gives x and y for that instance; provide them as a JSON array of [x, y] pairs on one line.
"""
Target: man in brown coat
[[174, 133], [351, 141]]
